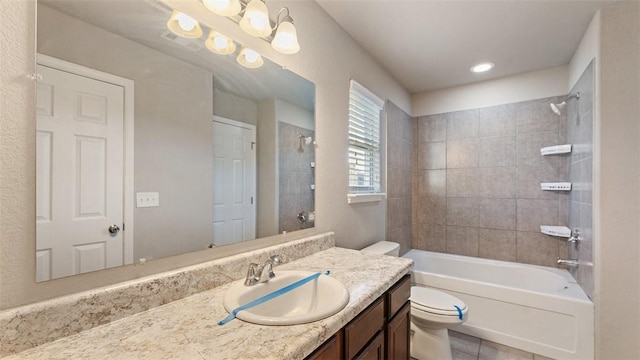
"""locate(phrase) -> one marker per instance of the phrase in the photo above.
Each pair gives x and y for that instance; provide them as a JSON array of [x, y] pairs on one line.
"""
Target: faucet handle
[[276, 259]]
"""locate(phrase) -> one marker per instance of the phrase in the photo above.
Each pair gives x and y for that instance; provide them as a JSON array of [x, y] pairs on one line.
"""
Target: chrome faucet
[[575, 239], [568, 262], [261, 273]]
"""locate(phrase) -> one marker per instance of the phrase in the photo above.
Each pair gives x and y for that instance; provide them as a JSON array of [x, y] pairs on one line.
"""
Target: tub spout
[[568, 262]]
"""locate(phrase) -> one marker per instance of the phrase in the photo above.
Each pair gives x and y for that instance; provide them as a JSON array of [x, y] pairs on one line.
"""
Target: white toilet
[[433, 312]]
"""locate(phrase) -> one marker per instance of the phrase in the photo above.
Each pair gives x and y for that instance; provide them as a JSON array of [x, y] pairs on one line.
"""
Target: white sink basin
[[315, 300]]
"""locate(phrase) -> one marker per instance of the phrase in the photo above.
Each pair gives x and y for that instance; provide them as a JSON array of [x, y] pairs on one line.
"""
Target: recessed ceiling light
[[482, 67]]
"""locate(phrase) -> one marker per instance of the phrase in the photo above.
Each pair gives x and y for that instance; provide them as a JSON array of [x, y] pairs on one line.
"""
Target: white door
[[79, 181], [234, 174]]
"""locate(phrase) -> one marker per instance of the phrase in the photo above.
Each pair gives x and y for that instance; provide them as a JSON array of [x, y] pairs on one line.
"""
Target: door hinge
[[252, 144], [122, 226], [252, 200]]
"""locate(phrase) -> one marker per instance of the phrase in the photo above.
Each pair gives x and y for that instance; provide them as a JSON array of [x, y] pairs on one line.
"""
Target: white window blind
[[364, 140]]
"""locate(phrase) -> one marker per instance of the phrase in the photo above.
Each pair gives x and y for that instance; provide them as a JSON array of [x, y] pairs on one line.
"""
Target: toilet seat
[[436, 302]]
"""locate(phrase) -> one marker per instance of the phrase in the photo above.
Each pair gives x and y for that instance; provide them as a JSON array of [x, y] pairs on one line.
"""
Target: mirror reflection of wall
[[177, 89]]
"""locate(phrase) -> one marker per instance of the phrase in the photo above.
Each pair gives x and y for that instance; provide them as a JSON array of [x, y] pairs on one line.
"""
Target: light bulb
[[223, 7], [482, 67], [220, 42], [257, 22], [286, 38], [249, 59], [251, 56], [186, 22], [184, 25]]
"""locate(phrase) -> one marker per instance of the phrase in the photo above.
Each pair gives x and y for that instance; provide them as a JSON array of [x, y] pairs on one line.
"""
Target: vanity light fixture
[[479, 68], [220, 44], [184, 25], [249, 58], [255, 20], [286, 38], [223, 7]]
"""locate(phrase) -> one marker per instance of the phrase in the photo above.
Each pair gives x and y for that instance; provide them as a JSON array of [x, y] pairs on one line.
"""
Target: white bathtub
[[534, 308]]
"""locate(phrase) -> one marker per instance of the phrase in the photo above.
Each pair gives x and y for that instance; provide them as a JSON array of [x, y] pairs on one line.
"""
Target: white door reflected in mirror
[[79, 147]]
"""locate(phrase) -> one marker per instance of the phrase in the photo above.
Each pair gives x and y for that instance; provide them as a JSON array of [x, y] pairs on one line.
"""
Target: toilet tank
[[383, 247]]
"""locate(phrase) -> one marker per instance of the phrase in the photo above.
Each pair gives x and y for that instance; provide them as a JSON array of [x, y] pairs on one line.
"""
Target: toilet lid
[[435, 301]]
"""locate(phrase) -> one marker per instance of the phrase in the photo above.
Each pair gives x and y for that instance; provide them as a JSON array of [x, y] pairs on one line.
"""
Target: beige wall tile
[[462, 124], [533, 213], [462, 240], [462, 182], [497, 120], [432, 155], [497, 244], [529, 179], [432, 183], [497, 182], [462, 211], [536, 116], [432, 128], [497, 151], [497, 214], [536, 248], [462, 153]]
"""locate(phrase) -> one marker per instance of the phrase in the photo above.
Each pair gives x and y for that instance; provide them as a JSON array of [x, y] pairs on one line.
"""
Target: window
[[364, 140]]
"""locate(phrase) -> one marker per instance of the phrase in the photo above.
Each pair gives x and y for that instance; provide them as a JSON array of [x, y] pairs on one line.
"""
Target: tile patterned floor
[[465, 347]]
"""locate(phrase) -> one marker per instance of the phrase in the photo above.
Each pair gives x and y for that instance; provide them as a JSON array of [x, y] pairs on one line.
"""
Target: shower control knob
[[114, 229]]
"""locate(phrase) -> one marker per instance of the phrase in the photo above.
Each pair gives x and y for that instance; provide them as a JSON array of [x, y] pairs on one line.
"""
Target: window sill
[[364, 198]]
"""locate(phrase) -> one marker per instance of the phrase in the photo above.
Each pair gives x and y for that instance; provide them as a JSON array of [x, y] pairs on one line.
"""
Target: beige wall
[[617, 184], [234, 107], [329, 60], [172, 134], [511, 89]]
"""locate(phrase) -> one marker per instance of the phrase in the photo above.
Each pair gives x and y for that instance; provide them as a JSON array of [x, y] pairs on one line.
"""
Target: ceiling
[[428, 45]]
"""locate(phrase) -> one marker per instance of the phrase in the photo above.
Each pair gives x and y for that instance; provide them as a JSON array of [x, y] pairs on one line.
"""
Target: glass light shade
[[286, 39], [223, 7], [249, 59], [184, 25], [255, 20], [220, 44]]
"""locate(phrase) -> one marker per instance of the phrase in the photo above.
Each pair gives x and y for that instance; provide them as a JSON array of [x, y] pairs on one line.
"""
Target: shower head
[[557, 108], [306, 140]]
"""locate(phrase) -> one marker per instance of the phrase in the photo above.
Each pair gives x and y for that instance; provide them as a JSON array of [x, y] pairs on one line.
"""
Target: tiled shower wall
[[400, 130], [296, 176], [476, 182], [580, 134]]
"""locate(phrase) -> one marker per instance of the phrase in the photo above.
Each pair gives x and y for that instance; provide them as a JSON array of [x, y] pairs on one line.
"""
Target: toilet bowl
[[433, 312]]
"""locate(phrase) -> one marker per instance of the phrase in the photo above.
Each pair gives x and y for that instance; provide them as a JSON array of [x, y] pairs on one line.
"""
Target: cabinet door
[[363, 328], [398, 335], [375, 349], [332, 349]]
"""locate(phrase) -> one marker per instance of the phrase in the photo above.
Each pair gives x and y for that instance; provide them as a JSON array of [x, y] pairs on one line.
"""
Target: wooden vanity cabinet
[[379, 332]]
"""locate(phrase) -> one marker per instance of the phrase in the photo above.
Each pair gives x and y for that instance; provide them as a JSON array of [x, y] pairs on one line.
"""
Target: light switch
[[147, 199]]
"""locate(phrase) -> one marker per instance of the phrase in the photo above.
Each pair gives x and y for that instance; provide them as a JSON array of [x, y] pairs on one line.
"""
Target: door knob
[[114, 229]]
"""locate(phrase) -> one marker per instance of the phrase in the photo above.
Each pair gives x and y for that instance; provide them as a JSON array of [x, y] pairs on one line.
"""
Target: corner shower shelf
[[561, 231], [556, 186], [556, 149]]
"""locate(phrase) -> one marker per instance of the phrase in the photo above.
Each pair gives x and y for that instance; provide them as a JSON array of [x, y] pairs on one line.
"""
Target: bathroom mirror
[[150, 145]]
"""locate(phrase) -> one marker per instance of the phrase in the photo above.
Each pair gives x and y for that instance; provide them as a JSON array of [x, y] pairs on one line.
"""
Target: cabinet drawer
[[363, 328], [398, 295]]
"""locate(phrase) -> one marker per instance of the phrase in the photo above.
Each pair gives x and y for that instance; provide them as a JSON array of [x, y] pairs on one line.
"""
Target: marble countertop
[[187, 328]]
